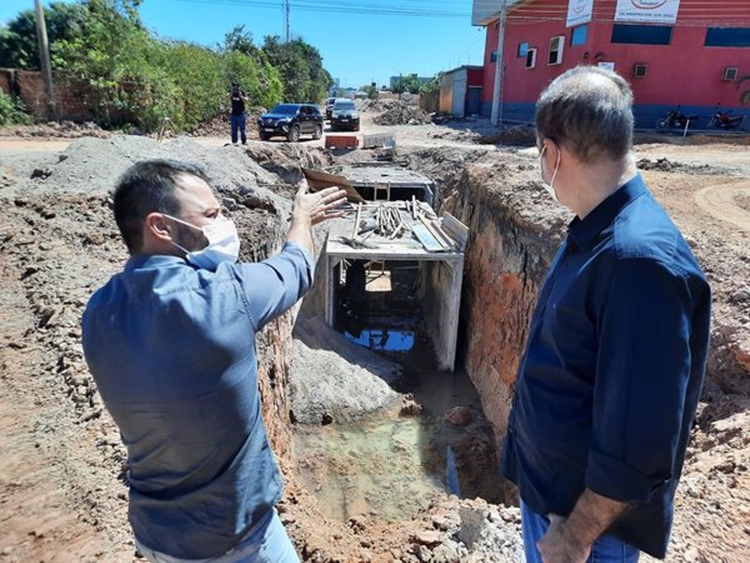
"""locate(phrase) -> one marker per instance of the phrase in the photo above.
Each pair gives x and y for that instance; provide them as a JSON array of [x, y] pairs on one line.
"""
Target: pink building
[[692, 62]]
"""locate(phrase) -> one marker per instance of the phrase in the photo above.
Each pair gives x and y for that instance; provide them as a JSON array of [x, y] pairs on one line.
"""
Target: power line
[[351, 7]]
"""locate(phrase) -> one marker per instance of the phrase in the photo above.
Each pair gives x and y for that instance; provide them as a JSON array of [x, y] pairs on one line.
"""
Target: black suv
[[291, 121]]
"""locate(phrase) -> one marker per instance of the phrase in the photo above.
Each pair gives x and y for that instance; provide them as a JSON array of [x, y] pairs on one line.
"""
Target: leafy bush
[[13, 111]]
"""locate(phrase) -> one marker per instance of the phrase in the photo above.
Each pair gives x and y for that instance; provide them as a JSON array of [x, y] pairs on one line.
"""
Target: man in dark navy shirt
[[608, 386]]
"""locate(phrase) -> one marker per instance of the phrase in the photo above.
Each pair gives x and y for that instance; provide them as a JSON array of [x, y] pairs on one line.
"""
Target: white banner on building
[[579, 12], [647, 11]]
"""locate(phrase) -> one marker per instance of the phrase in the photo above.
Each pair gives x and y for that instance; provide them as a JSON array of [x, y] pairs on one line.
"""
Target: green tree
[[240, 40], [260, 82], [109, 58], [301, 69], [433, 85], [371, 90], [409, 83], [18, 42], [247, 64], [193, 74]]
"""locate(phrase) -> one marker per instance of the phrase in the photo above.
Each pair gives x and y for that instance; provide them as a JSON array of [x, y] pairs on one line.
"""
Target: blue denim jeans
[[607, 549], [266, 542], [238, 122]]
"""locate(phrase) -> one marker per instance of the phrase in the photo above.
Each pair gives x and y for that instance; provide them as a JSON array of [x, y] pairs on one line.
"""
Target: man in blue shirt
[[608, 386], [170, 342]]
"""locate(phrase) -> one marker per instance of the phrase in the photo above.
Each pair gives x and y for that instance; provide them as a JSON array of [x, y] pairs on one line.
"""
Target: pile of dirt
[[57, 129], [665, 165], [378, 106], [524, 135], [334, 380], [400, 114]]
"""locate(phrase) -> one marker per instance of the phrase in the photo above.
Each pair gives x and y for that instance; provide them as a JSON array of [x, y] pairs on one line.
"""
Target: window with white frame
[[531, 58], [556, 45]]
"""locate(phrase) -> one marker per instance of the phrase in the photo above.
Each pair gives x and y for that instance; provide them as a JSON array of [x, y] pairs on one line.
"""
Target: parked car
[[329, 107], [292, 121], [344, 116]]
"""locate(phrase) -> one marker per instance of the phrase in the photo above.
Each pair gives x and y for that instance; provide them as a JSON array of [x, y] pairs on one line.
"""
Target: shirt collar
[[140, 261], [582, 232]]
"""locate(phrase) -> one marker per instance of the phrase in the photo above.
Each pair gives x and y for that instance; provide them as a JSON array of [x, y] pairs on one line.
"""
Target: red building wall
[[475, 76], [685, 72]]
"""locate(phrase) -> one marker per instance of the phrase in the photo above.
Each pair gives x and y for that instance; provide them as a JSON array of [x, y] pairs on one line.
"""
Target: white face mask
[[223, 243], [551, 186]]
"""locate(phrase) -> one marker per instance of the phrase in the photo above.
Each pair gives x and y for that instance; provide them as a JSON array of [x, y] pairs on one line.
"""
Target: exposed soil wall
[[514, 231]]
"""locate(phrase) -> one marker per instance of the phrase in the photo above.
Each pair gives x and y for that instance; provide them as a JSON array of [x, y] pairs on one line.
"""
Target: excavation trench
[[366, 468], [455, 328]]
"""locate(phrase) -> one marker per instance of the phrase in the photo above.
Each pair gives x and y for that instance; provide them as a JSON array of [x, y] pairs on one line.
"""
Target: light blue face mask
[[223, 243], [551, 186]]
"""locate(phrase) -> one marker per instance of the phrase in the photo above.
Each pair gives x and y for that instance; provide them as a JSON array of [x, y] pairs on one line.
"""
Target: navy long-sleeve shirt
[[607, 390], [172, 350]]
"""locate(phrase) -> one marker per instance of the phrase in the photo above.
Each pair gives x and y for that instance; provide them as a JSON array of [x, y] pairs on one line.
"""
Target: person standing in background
[[238, 98]]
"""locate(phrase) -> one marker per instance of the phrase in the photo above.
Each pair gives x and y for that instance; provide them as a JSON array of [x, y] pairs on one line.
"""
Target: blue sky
[[356, 47]]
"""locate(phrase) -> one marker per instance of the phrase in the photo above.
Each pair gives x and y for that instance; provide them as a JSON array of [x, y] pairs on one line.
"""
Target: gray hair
[[588, 110]]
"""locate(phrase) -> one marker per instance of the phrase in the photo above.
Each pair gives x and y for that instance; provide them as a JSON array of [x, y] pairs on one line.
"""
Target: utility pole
[[497, 98], [41, 33], [287, 33]]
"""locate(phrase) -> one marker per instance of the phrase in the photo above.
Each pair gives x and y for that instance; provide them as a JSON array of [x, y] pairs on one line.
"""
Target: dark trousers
[[238, 122]]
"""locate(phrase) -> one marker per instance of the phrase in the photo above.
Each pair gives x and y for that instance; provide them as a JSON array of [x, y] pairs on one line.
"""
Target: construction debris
[[401, 114], [400, 220]]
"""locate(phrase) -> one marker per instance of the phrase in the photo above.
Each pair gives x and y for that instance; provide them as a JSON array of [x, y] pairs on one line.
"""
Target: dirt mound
[[663, 164], [378, 106], [702, 138], [519, 136], [401, 114], [334, 380], [55, 129], [666, 165]]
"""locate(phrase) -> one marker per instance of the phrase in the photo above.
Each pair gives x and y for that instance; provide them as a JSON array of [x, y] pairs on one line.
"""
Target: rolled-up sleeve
[[642, 372], [273, 286]]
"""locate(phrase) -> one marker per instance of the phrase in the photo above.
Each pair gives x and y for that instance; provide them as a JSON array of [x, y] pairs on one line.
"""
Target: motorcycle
[[675, 119], [725, 120]]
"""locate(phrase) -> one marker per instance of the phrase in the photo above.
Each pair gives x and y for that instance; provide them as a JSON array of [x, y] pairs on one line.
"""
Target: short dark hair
[[589, 110], [147, 187]]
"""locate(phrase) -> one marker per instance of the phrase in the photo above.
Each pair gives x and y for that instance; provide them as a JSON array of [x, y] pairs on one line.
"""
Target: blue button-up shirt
[[607, 390], [172, 350]]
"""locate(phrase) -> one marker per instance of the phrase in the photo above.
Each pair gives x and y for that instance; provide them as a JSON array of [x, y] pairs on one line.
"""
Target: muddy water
[[390, 467]]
